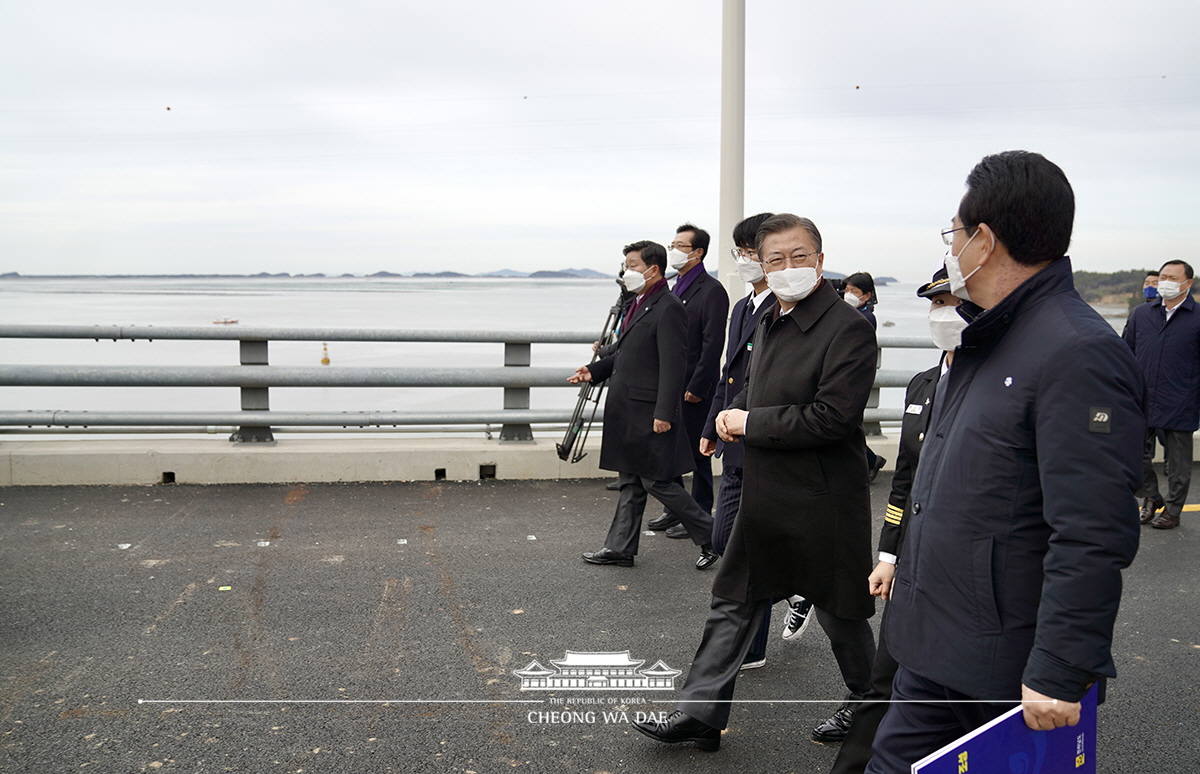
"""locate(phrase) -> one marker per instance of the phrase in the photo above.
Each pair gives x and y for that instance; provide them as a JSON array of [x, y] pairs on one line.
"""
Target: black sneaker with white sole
[[796, 621]]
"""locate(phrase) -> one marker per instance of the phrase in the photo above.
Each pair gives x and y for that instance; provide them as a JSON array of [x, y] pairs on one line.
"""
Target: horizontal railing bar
[[282, 418], [226, 431], [260, 333], [205, 419], [305, 376], [278, 376], [893, 378], [905, 342], [270, 333]]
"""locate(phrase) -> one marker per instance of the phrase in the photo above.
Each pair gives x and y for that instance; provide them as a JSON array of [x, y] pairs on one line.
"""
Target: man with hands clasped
[[804, 524]]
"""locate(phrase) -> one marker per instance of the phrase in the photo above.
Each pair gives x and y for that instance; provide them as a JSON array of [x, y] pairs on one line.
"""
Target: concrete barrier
[[149, 461]]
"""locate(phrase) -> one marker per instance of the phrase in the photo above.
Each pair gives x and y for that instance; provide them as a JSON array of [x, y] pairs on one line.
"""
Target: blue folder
[[1008, 746]]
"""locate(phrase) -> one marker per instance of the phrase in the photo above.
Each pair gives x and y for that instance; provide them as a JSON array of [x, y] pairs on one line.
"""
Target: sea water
[[407, 303]]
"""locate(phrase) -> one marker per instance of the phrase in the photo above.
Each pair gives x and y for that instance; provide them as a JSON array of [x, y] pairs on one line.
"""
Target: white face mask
[[676, 259], [634, 281], [1169, 290], [946, 327], [750, 271], [852, 300], [792, 285], [958, 283]]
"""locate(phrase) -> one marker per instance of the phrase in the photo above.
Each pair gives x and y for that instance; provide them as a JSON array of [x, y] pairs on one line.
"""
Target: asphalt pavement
[[377, 628]]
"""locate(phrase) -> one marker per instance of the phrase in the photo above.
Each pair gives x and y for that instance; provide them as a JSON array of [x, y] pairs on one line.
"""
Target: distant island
[[502, 274], [1114, 289]]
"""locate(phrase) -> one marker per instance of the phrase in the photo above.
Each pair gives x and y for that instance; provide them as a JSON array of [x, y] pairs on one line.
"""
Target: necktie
[[747, 318]]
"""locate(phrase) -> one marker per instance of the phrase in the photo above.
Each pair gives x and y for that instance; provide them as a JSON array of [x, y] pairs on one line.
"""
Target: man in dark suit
[[707, 305], [643, 438], [1023, 513], [1165, 338], [742, 323], [805, 524]]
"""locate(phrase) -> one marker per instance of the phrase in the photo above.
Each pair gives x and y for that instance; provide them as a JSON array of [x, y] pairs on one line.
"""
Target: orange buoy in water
[[324, 354]]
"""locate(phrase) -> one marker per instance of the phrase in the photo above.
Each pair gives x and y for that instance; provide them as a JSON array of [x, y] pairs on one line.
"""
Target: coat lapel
[[642, 312], [810, 309], [696, 284]]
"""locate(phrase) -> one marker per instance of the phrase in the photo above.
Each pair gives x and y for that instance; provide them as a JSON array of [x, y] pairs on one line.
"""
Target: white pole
[[733, 138]]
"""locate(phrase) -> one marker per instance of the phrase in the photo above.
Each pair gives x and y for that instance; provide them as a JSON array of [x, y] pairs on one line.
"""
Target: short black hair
[[653, 254], [786, 221], [700, 238], [1187, 267], [864, 282], [743, 233], [1152, 273], [1026, 200]]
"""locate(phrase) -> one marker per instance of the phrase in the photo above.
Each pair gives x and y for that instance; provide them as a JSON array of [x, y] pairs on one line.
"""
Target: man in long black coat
[[804, 525], [644, 440]]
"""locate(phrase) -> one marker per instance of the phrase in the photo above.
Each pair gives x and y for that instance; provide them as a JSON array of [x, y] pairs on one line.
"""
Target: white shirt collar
[[757, 299]]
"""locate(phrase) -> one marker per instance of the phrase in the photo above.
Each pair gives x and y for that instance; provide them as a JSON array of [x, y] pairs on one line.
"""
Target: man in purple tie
[[706, 304], [644, 439]]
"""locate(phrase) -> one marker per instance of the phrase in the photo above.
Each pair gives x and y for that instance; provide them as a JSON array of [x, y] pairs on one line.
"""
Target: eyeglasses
[[743, 255], [948, 234], [797, 260], [681, 247]]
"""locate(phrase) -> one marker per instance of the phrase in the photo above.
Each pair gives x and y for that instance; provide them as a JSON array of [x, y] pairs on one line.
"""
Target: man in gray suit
[[644, 439]]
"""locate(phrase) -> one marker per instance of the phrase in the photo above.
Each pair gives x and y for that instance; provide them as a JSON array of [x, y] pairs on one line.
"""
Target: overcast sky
[[303, 137]]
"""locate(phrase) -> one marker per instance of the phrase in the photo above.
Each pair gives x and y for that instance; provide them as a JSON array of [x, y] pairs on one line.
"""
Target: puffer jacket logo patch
[[1101, 420]]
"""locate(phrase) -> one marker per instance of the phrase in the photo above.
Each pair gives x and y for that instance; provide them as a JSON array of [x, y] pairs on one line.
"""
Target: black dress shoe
[[605, 556], [708, 557], [679, 727], [662, 522], [1149, 506], [678, 532], [613, 486], [1165, 520], [835, 728], [878, 466]]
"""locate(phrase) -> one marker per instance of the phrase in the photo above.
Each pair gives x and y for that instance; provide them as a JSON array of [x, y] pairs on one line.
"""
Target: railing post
[[254, 398], [873, 428], [516, 354]]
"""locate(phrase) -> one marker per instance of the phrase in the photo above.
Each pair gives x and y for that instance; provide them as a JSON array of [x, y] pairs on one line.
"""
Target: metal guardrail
[[278, 418], [250, 333], [261, 333], [254, 377], [264, 376], [277, 376]]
